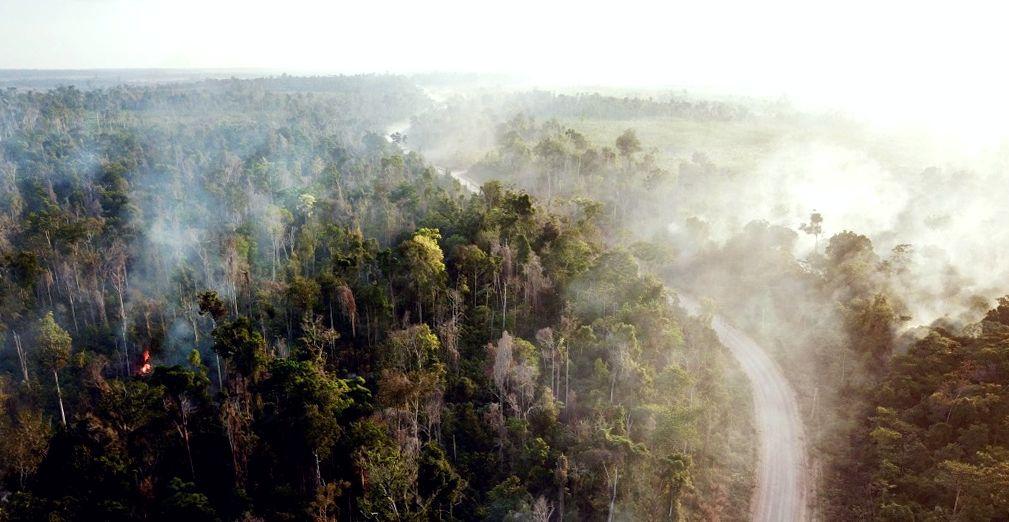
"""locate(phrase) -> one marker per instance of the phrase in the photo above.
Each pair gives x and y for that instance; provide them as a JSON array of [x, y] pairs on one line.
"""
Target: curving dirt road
[[402, 127], [781, 474]]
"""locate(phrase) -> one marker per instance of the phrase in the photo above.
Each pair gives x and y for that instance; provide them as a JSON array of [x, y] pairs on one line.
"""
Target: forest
[[516, 261], [246, 299], [897, 354], [238, 300]]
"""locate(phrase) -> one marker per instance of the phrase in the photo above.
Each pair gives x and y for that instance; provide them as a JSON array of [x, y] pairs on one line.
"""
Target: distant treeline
[[545, 104]]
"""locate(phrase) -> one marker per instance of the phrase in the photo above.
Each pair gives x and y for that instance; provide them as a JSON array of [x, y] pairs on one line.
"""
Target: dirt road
[[781, 469], [401, 127], [782, 482]]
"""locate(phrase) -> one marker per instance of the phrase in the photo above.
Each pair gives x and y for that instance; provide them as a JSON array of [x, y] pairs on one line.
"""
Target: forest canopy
[[235, 300]]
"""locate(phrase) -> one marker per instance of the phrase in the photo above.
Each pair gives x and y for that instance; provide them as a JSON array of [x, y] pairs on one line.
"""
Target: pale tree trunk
[[21, 358], [276, 255], [318, 471], [567, 376], [73, 309], [119, 286], [59, 396], [504, 311], [217, 358], [613, 492], [183, 429], [613, 383], [553, 366]]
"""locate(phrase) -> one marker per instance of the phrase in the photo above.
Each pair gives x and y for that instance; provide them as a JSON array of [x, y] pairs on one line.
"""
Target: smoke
[[942, 198], [950, 217], [846, 186]]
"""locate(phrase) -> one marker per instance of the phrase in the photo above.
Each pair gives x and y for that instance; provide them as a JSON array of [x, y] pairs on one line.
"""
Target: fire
[[146, 368]]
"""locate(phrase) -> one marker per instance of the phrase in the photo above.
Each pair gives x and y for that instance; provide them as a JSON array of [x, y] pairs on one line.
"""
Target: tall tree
[[425, 264], [54, 353]]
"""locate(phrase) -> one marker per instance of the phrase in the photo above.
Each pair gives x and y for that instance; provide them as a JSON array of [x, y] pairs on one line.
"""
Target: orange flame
[[146, 368]]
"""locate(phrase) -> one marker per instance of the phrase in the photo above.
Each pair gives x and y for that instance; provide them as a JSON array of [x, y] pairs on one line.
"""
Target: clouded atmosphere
[[503, 261], [879, 59]]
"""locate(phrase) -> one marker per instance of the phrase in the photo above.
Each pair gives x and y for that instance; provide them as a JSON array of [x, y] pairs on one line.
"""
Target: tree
[[277, 220], [186, 503], [515, 371], [628, 143], [300, 420], [675, 476], [212, 305], [425, 264], [25, 443], [473, 262], [509, 500], [439, 486], [1000, 314], [561, 479], [814, 228], [413, 349], [390, 490], [238, 341], [316, 338], [54, 353], [348, 307], [184, 388]]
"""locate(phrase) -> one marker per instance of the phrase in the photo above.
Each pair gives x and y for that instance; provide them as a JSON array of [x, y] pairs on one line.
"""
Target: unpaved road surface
[[402, 127], [781, 473]]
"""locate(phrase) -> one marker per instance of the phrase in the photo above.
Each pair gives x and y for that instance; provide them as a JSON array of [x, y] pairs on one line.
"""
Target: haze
[[531, 261], [878, 61]]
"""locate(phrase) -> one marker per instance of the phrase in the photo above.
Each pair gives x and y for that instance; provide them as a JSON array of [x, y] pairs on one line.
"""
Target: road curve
[[781, 475], [782, 482], [401, 127]]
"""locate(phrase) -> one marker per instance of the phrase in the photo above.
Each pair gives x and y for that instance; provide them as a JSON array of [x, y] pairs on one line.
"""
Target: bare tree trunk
[[184, 432], [567, 376], [73, 309], [21, 358], [196, 329], [276, 254], [234, 293], [553, 372], [318, 471], [613, 383], [59, 396], [613, 493], [220, 378], [119, 285], [504, 312]]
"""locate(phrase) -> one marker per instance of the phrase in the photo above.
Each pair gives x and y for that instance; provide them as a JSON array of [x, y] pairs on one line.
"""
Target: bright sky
[[887, 59]]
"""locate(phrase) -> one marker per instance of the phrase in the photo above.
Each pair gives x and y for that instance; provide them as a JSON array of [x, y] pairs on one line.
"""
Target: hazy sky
[[876, 57]]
